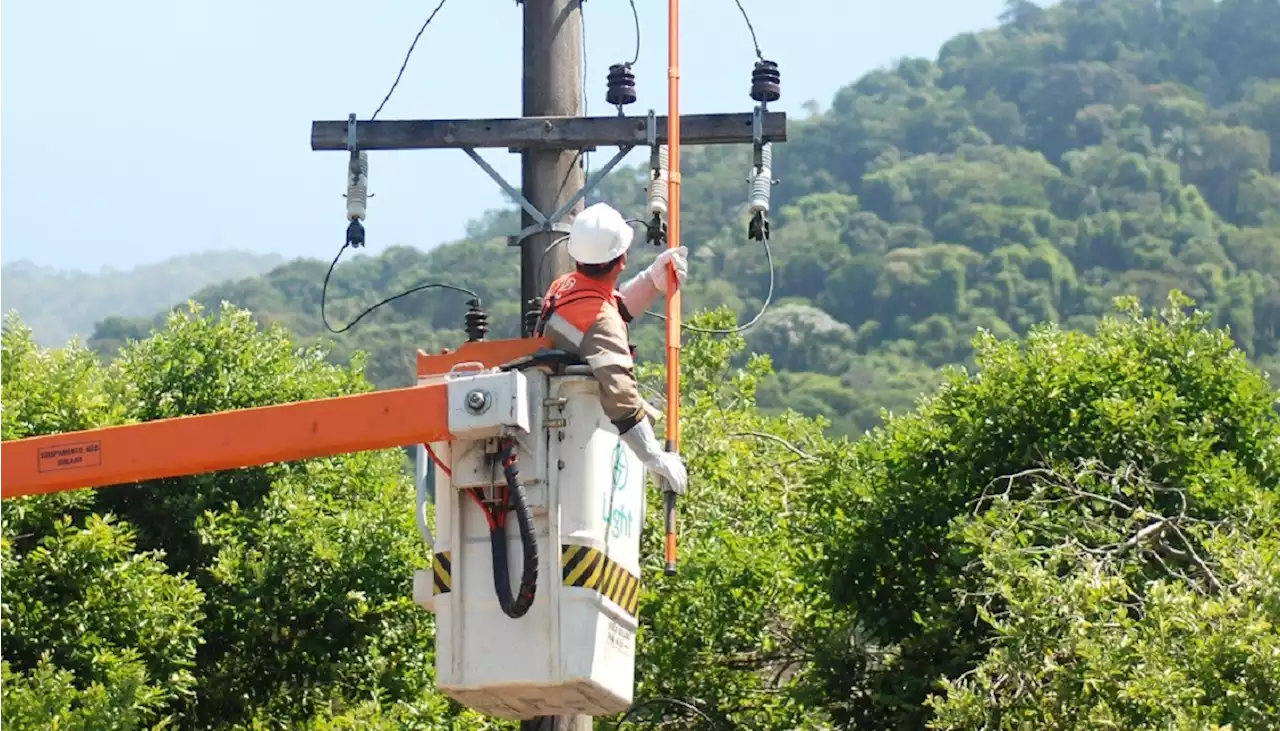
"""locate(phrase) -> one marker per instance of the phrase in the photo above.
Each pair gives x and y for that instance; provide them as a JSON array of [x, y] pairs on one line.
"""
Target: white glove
[[659, 270], [666, 465]]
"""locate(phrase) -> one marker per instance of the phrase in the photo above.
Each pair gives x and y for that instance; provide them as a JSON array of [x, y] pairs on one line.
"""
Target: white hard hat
[[599, 234]]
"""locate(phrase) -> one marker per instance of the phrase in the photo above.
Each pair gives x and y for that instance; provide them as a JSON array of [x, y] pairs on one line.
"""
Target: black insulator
[[622, 85], [355, 234], [477, 321], [758, 227], [766, 82], [656, 231]]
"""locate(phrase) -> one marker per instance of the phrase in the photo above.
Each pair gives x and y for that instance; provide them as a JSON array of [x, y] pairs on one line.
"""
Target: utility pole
[[549, 177], [551, 137], [552, 87]]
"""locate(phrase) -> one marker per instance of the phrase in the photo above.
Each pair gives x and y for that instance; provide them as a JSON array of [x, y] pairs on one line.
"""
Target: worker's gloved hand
[[666, 465], [659, 270]]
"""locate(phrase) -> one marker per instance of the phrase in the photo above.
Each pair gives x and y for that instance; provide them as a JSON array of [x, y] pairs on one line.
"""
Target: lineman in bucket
[[584, 312]]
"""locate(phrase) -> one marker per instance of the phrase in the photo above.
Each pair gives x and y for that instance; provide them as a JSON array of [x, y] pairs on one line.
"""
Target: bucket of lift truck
[[573, 652]]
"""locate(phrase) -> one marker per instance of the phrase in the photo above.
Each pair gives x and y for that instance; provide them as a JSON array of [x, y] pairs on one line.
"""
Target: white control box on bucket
[[573, 652]]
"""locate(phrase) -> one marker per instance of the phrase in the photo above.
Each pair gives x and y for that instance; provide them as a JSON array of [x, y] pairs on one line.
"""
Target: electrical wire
[[635, 16], [324, 292], [405, 64], [741, 328], [750, 28], [666, 701]]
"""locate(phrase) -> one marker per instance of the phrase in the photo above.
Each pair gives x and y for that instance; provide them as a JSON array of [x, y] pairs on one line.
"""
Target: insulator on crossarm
[[766, 82], [762, 180], [358, 187], [622, 85], [658, 184]]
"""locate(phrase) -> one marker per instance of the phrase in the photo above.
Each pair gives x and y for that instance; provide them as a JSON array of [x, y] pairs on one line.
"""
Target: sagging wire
[[324, 293], [765, 87], [665, 701], [768, 298], [635, 16], [357, 199], [750, 28], [405, 63]]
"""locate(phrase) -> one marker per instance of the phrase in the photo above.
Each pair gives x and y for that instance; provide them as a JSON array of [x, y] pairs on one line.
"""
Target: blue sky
[[140, 130]]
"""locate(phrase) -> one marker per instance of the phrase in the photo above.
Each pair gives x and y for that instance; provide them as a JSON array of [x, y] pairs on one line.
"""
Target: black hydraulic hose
[[517, 607]]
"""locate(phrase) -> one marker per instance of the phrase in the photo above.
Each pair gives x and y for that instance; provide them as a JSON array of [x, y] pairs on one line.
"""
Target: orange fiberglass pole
[[673, 240]]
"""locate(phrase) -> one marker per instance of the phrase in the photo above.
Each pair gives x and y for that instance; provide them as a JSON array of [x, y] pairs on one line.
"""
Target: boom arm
[[190, 445], [243, 438]]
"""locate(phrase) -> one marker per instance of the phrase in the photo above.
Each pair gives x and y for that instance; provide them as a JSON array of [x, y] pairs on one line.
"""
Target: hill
[[1029, 173], [60, 305]]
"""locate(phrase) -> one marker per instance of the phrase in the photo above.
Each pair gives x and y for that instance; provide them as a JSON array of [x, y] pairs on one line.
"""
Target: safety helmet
[[599, 234]]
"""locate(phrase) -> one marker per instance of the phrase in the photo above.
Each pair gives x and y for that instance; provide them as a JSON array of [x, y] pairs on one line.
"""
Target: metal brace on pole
[[543, 222], [757, 134]]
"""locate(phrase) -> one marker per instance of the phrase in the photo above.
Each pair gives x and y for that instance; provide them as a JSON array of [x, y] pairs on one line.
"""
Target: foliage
[[1112, 614], [253, 596], [719, 631], [74, 653], [60, 305], [895, 558], [291, 581]]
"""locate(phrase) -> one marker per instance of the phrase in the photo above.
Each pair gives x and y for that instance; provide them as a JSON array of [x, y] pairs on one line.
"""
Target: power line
[[407, 55], [750, 27], [749, 324], [635, 16], [324, 293], [324, 289]]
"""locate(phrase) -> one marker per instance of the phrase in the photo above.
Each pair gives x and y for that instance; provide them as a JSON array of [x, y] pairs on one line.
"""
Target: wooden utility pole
[[549, 177], [551, 137], [552, 87]]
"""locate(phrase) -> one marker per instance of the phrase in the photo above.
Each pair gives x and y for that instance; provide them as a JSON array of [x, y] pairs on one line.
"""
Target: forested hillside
[[1028, 174], [1081, 531], [59, 305]]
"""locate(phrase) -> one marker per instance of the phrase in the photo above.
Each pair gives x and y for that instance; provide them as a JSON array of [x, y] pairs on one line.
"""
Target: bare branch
[[1215, 586], [775, 438]]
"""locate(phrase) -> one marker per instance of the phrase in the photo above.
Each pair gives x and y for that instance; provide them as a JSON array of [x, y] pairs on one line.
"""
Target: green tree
[[1159, 395], [96, 633]]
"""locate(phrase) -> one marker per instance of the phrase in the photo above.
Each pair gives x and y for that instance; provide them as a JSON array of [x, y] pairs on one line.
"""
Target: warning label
[[621, 638], [70, 456]]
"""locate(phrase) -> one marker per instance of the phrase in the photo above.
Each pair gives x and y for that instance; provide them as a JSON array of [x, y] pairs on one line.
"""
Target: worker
[[585, 313]]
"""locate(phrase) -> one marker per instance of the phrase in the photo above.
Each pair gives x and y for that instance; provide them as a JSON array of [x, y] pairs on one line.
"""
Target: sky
[[140, 130]]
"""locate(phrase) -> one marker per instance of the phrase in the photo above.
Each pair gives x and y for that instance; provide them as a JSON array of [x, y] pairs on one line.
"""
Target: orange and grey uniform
[[586, 316]]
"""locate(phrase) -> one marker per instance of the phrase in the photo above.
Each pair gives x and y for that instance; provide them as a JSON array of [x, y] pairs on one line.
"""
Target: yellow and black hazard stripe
[[589, 568], [443, 570]]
